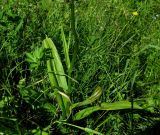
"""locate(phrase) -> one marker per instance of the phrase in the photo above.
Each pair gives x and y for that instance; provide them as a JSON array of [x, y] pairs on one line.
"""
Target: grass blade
[[65, 49], [88, 130]]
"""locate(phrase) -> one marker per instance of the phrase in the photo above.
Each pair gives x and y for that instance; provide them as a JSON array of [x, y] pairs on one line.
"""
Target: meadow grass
[[118, 51]]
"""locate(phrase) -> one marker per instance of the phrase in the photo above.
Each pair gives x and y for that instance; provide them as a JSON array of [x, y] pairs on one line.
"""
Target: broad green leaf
[[105, 106], [51, 75], [58, 67], [57, 77], [53, 80], [96, 94], [50, 63], [119, 105], [85, 112]]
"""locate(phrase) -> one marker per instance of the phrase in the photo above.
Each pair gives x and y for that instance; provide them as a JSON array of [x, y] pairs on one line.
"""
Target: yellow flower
[[135, 13]]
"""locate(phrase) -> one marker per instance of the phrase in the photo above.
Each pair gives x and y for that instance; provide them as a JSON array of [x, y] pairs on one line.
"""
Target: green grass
[[117, 52]]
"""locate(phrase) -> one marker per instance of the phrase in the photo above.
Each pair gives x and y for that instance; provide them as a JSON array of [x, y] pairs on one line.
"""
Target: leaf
[[68, 104], [96, 94], [5, 101], [57, 77], [38, 53], [65, 49], [88, 130], [106, 107], [33, 66], [50, 63], [65, 96], [30, 57], [19, 25], [57, 65], [119, 105], [2, 103], [50, 108], [85, 112], [30, 60], [53, 78]]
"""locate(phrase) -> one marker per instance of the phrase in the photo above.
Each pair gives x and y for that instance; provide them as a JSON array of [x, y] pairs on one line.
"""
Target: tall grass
[[118, 53]]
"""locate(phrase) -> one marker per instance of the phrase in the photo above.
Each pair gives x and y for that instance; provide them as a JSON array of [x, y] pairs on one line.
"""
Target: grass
[[118, 53]]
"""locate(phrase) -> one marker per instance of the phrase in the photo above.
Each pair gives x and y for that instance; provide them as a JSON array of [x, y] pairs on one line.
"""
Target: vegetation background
[[119, 50]]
